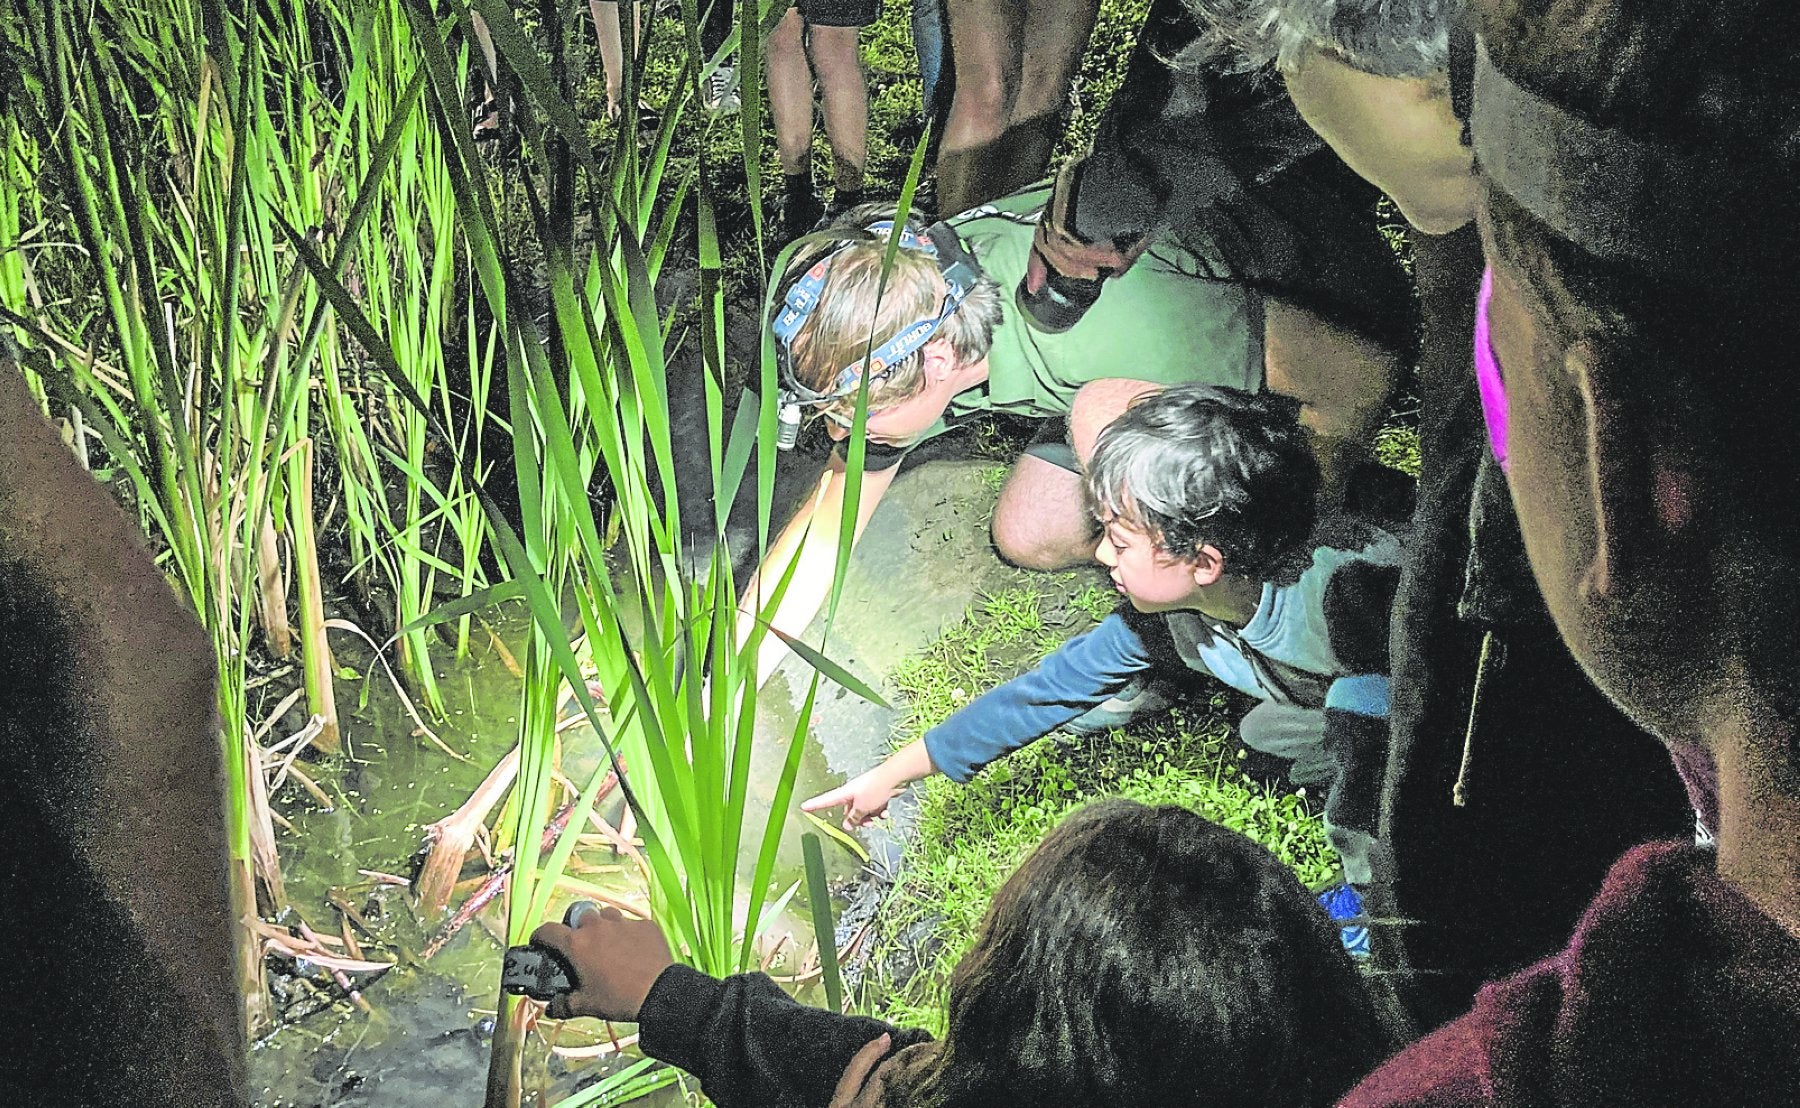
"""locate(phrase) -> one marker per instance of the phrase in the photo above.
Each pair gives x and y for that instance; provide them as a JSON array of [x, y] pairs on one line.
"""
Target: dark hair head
[[1389, 38], [1704, 337], [1201, 465], [1144, 957]]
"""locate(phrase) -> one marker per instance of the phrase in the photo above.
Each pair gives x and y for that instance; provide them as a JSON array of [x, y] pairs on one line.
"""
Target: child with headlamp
[[940, 348]]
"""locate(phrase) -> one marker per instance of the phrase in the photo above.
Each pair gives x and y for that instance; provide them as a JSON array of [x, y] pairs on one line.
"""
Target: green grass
[[969, 838], [1397, 447]]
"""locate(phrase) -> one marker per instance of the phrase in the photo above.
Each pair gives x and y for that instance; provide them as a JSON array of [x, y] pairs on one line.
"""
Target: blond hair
[[856, 314]]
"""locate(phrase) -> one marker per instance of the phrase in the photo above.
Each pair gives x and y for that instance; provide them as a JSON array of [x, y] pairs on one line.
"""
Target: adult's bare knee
[[788, 39], [1028, 546], [987, 89], [834, 56]]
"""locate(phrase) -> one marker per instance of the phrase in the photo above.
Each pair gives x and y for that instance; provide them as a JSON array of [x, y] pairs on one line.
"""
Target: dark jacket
[[750, 1044], [1674, 990]]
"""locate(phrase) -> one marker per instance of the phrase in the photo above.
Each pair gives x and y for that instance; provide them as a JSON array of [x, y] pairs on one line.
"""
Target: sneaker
[[1140, 697], [719, 92], [1345, 907]]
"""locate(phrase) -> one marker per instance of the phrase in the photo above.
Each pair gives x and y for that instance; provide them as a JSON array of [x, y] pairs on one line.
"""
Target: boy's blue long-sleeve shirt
[[1080, 673], [1302, 643]]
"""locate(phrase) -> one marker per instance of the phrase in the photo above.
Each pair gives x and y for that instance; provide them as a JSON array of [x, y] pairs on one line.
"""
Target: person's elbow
[[1095, 406]]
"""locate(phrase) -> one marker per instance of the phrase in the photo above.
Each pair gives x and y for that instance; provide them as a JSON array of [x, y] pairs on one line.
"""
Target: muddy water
[[924, 558]]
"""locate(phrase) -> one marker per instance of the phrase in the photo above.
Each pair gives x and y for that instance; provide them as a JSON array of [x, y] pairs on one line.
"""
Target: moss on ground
[[969, 838]]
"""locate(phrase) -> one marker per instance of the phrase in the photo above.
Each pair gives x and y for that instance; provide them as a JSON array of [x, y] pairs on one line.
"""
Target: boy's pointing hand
[[863, 798]]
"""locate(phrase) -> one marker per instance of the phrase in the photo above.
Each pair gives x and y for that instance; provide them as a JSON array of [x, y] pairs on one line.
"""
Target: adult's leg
[[986, 38], [1041, 521], [1014, 61], [846, 101], [1056, 36], [790, 93], [605, 14]]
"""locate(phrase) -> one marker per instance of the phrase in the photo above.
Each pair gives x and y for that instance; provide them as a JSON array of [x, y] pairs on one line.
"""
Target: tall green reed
[[171, 143], [411, 519], [660, 638]]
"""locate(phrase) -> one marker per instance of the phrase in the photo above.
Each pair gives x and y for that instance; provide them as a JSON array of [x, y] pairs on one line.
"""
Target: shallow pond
[[423, 1042]]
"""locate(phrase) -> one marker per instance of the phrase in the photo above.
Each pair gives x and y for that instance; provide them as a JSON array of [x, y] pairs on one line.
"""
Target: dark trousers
[[1558, 784]]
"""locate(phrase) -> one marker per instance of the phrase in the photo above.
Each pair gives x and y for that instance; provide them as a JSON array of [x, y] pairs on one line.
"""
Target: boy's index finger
[[829, 799]]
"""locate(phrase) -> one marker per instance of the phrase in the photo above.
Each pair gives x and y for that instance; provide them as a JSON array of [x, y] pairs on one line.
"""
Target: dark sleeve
[[877, 456], [1356, 738], [1175, 140], [750, 1044], [1359, 605], [1081, 673]]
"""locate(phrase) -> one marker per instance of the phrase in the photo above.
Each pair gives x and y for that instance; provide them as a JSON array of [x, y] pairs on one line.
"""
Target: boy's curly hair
[[1200, 465]]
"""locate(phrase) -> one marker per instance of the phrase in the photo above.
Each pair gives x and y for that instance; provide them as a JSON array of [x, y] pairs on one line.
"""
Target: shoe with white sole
[[719, 92], [1140, 697]]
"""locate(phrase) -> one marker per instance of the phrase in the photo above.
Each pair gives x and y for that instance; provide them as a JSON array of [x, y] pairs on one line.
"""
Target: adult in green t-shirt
[[1175, 317], [946, 343]]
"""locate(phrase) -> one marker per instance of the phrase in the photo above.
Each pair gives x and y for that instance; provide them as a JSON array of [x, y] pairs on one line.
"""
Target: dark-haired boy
[[1207, 499]]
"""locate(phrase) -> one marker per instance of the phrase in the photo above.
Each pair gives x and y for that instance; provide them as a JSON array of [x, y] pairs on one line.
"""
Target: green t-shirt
[[1175, 317]]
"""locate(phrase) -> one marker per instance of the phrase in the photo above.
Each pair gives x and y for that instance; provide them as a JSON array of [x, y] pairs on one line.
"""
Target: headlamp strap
[[957, 266], [1612, 193]]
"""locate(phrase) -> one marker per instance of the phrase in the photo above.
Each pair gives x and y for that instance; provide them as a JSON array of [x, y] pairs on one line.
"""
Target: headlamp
[[960, 272]]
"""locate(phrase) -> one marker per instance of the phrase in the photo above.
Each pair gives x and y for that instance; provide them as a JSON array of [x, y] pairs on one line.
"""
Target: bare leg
[[1019, 57], [1041, 521], [790, 93], [984, 42], [1056, 35], [605, 14], [846, 99]]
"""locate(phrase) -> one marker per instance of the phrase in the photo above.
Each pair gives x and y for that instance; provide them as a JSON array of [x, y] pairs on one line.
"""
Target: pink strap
[[1487, 373]]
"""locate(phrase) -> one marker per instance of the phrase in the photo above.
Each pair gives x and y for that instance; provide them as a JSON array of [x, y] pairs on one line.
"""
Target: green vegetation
[[1397, 447], [282, 228], [308, 331], [150, 276], [969, 838]]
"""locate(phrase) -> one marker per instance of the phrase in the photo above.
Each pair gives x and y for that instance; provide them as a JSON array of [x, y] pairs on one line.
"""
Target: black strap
[[1462, 76]]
